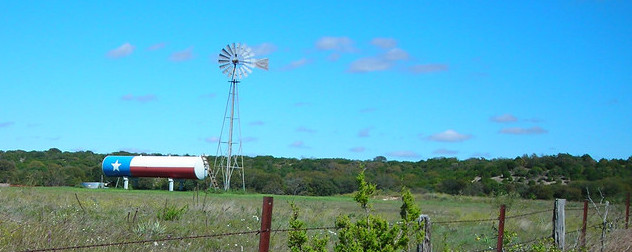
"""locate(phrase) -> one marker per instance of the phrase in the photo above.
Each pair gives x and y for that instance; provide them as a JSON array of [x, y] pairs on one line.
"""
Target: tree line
[[530, 176]]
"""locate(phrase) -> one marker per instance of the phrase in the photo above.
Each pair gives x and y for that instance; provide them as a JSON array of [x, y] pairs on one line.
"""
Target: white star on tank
[[115, 166]]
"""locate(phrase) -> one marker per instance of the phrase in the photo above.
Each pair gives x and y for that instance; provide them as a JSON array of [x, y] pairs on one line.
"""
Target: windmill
[[235, 61]]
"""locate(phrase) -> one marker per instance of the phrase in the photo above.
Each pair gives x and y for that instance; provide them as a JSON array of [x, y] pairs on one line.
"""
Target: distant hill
[[530, 176]]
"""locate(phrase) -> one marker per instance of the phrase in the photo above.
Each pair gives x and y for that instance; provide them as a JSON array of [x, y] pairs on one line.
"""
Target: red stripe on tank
[[163, 172]]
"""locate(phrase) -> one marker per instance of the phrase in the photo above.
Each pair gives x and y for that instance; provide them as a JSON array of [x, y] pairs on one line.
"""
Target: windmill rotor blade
[[222, 61], [247, 70], [230, 51], [227, 70], [234, 50], [238, 50], [262, 63], [223, 56], [224, 65]]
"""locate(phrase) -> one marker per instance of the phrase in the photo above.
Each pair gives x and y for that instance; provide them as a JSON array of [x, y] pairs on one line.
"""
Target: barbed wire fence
[[620, 222]]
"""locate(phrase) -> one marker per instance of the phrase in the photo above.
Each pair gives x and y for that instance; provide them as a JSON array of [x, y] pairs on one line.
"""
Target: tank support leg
[[170, 184], [125, 183]]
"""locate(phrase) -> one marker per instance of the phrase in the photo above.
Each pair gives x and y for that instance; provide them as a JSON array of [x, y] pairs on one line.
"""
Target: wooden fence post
[[425, 246], [627, 211], [501, 228], [559, 228], [266, 223], [584, 222]]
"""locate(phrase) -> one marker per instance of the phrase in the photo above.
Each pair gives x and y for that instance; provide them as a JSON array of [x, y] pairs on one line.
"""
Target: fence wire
[[256, 232]]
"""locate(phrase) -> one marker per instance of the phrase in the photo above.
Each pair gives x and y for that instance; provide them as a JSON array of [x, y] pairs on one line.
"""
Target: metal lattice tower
[[236, 61]]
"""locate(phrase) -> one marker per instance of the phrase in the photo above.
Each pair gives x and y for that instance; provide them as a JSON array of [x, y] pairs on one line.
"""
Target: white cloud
[[298, 144], [264, 49], [445, 152], [141, 98], [384, 43], [343, 44], [6, 124], [248, 139], [357, 149], [449, 136], [187, 54], [403, 154], [208, 96], [378, 63], [297, 64], [365, 132], [368, 110], [212, 139], [371, 64], [156, 46], [396, 54], [305, 130], [257, 123], [121, 51], [428, 68], [504, 118], [523, 131]]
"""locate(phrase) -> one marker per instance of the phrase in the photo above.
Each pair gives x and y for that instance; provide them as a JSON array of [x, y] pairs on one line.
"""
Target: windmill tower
[[235, 61]]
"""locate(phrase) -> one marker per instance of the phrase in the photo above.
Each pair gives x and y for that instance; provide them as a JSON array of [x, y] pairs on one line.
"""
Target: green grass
[[49, 217]]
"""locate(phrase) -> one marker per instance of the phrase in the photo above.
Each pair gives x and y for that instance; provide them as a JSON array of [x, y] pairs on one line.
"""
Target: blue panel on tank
[[117, 166]]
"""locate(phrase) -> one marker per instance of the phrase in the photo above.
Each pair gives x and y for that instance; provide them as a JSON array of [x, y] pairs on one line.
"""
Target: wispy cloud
[[396, 54], [121, 51], [296, 64], [212, 139], [184, 55], [449, 136], [357, 149], [157, 46], [208, 96], [141, 98], [380, 62], [428, 68], [343, 44], [403, 154], [299, 144], [248, 139], [504, 118], [264, 49], [365, 132], [305, 130], [256, 123], [445, 152], [370, 64], [523, 131], [6, 124], [384, 43]]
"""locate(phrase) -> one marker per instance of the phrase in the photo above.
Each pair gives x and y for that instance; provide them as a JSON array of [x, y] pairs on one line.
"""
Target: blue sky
[[408, 80]]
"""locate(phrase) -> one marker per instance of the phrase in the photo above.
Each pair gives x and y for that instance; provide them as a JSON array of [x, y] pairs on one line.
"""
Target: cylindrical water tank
[[155, 166]]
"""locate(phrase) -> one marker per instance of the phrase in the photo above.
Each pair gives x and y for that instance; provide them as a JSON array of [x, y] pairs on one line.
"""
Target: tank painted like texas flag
[[155, 166]]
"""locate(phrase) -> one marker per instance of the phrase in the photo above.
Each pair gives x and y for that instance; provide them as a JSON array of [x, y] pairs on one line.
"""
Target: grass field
[[50, 217]]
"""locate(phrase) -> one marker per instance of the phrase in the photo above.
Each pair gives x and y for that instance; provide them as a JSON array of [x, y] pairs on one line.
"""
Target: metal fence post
[[559, 228], [266, 223], [425, 245], [501, 228]]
